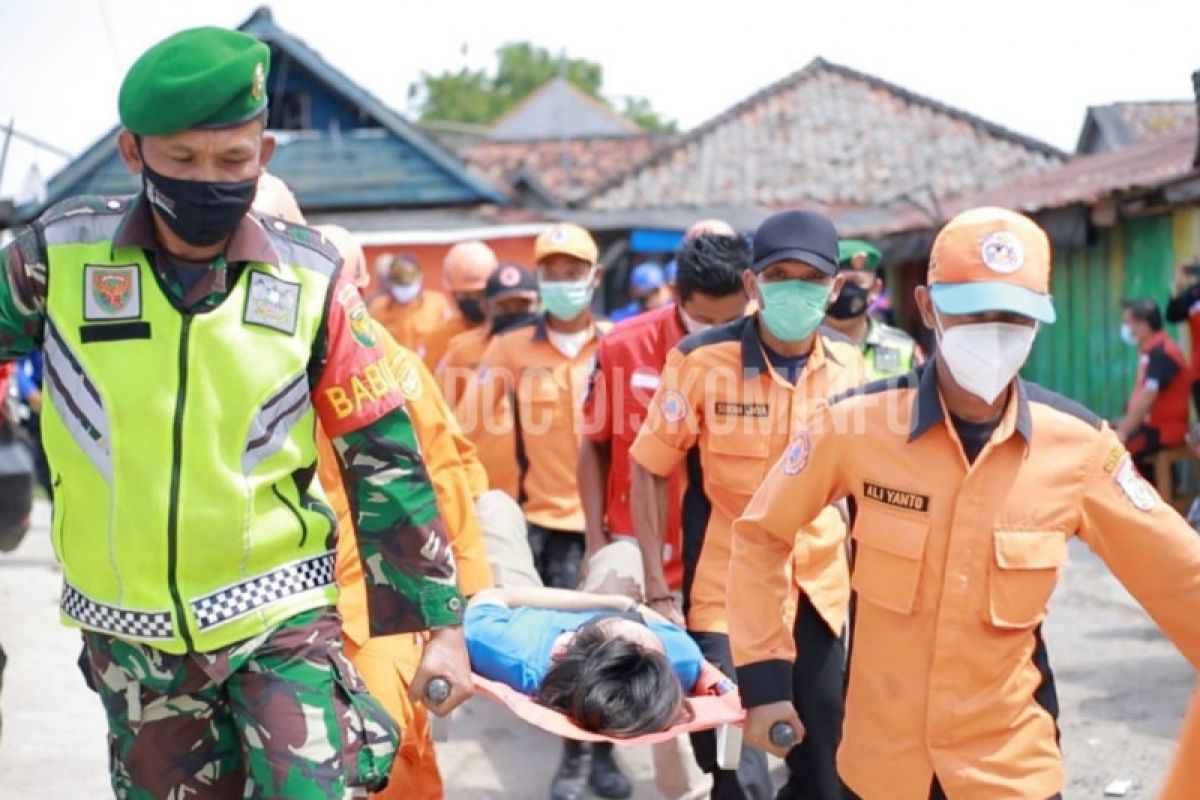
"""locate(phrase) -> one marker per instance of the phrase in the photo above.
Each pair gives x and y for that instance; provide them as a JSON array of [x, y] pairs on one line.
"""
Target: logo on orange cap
[[991, 259], [1002, 252]]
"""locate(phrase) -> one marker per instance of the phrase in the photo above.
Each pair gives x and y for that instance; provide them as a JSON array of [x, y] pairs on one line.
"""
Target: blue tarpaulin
[[650, 240]]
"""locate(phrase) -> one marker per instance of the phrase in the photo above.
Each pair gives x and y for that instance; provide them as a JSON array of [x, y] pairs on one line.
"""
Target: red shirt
[[628, 362], [1161, 364]]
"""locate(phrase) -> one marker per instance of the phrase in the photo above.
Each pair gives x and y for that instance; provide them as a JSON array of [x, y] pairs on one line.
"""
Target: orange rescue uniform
[[419, 324], [459, 362], [954, 565], [720, 407], [388, 663], [1183, 782], [524, 413]]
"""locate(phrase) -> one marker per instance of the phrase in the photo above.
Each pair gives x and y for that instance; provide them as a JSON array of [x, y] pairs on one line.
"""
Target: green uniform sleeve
[[408, 565], [22, 295]]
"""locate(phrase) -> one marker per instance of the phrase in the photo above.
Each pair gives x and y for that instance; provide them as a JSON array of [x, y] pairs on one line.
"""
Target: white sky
[[1031, 65]]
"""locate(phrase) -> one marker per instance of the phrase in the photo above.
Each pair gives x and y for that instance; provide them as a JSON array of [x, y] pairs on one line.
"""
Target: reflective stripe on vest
[[176, 441]]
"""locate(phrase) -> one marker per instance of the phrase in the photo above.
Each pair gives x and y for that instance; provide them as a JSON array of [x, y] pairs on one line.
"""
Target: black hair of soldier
[[711, 264], [612, 686], [1143, 309]]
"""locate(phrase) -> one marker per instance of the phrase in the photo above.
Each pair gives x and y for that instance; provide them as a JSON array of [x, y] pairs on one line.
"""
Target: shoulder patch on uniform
[[1137, 491], [729, 332], [1037, 394], [795, 458], [909, 380], [301, 245], [83, 220]]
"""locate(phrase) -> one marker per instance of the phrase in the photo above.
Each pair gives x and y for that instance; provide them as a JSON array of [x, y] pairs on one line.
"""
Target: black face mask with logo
[[471, 308], [851, 302], [200, 213]]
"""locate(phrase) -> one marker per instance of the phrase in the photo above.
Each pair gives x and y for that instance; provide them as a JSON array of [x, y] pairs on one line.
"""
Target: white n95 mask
[[984, 357]]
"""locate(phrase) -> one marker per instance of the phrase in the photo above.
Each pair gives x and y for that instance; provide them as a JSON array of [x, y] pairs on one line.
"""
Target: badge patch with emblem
[[272, 303], [887, 358], [258, 83], [1002, 252], [1139, 493], [674, 406], [112, 292], [796, 457], [360, 325]]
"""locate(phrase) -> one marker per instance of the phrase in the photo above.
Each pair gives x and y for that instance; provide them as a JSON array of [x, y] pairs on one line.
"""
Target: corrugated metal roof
[[1083, 180]]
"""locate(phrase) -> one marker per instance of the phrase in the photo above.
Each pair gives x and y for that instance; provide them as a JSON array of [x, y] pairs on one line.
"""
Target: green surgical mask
[[567, 299], [793, 309]]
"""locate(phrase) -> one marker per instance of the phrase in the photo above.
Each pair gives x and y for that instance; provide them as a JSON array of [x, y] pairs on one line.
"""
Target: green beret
[[857, 254], [198, 78]]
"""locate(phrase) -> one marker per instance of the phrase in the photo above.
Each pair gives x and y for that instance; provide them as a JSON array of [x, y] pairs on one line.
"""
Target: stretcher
[[714, 703]]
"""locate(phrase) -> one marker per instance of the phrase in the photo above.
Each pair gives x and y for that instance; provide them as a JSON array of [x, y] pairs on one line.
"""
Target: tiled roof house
[[1117, 125], [832, 138]]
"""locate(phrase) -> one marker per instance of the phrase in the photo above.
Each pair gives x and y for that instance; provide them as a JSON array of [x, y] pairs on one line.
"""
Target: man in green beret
[[191, 348], [887, 351]]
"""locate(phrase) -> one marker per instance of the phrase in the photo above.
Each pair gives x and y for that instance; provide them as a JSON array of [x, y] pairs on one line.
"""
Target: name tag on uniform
[[897, 498], [742, 409], [112, 292], [272, 303]]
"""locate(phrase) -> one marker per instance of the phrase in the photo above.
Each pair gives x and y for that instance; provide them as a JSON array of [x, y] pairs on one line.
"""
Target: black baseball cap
[[796, 236], [510, 279]]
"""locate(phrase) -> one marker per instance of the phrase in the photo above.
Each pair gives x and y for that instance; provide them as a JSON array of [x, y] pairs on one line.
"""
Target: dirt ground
[[1122, 688]]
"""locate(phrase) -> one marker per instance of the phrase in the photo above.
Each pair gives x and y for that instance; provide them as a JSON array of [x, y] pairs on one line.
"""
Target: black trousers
[[818, 692], [557, 556], [818, 686], [751, 780]]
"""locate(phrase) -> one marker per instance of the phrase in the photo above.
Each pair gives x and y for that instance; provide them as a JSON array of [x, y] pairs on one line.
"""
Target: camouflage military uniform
[[282, 714], [256, 717]]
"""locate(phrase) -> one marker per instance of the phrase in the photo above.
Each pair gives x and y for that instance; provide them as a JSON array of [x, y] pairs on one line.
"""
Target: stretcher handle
[[437, 691], [782, 735]]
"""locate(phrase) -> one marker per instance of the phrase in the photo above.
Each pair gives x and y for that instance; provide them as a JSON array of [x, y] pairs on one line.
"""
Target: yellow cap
[[568, 239]]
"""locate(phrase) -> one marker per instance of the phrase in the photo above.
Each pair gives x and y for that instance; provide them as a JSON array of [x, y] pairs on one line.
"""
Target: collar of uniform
[[541, 330], [928, 410], [248, 243], [754, 356], [1153, 342]]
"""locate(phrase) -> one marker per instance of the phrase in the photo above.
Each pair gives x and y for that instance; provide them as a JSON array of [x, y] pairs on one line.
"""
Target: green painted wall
[[1082, 355]]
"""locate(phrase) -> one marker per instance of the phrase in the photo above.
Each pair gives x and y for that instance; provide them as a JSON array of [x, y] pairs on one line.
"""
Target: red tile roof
[[566, 170]]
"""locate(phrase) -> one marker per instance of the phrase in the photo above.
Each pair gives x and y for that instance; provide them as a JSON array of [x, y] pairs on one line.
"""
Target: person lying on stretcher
[[614, 666]]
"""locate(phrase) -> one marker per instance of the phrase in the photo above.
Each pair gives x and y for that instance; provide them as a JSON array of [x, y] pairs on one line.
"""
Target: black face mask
[[471, 308], [200, 213], [503, 322], [851, 302]]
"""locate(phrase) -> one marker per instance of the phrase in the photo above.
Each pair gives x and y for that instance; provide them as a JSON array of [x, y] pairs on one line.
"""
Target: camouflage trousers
[[282, 715]]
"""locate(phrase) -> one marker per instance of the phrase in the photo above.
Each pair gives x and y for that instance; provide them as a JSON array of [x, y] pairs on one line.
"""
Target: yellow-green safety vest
[[182, 445], [888, 351]]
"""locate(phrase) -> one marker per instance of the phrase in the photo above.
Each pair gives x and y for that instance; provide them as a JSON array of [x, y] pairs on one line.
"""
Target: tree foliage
[[480, 97]]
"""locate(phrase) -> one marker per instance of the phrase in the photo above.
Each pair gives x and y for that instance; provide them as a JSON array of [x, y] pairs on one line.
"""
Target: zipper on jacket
[[176, 466], [295, 513]]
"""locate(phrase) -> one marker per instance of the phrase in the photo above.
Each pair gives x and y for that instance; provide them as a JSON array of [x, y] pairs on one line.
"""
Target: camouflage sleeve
[[22, 295], [408, 565]]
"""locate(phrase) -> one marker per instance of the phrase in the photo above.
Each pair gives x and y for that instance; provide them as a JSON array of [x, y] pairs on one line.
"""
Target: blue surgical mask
[[793, 309], [567, 299]]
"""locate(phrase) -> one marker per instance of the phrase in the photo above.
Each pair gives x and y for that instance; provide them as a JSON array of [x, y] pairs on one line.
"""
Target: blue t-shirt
[[513, 645]]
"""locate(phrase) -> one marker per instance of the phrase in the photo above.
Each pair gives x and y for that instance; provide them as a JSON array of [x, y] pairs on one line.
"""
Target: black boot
[[568, 783], [605, 777]]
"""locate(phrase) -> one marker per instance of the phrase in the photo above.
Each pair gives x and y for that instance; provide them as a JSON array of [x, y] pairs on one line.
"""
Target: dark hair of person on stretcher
[[613, 679], [610, 675]]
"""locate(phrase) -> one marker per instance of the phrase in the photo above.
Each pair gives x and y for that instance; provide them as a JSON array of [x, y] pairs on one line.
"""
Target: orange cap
[[569, 239], [467, 266], [991, 259]]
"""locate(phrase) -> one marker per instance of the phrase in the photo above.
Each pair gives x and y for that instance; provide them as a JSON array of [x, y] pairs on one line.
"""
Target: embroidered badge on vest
[[272, 303], [112, 292]]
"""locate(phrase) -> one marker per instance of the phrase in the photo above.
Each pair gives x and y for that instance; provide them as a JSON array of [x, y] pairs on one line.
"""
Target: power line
[[10, 130]]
